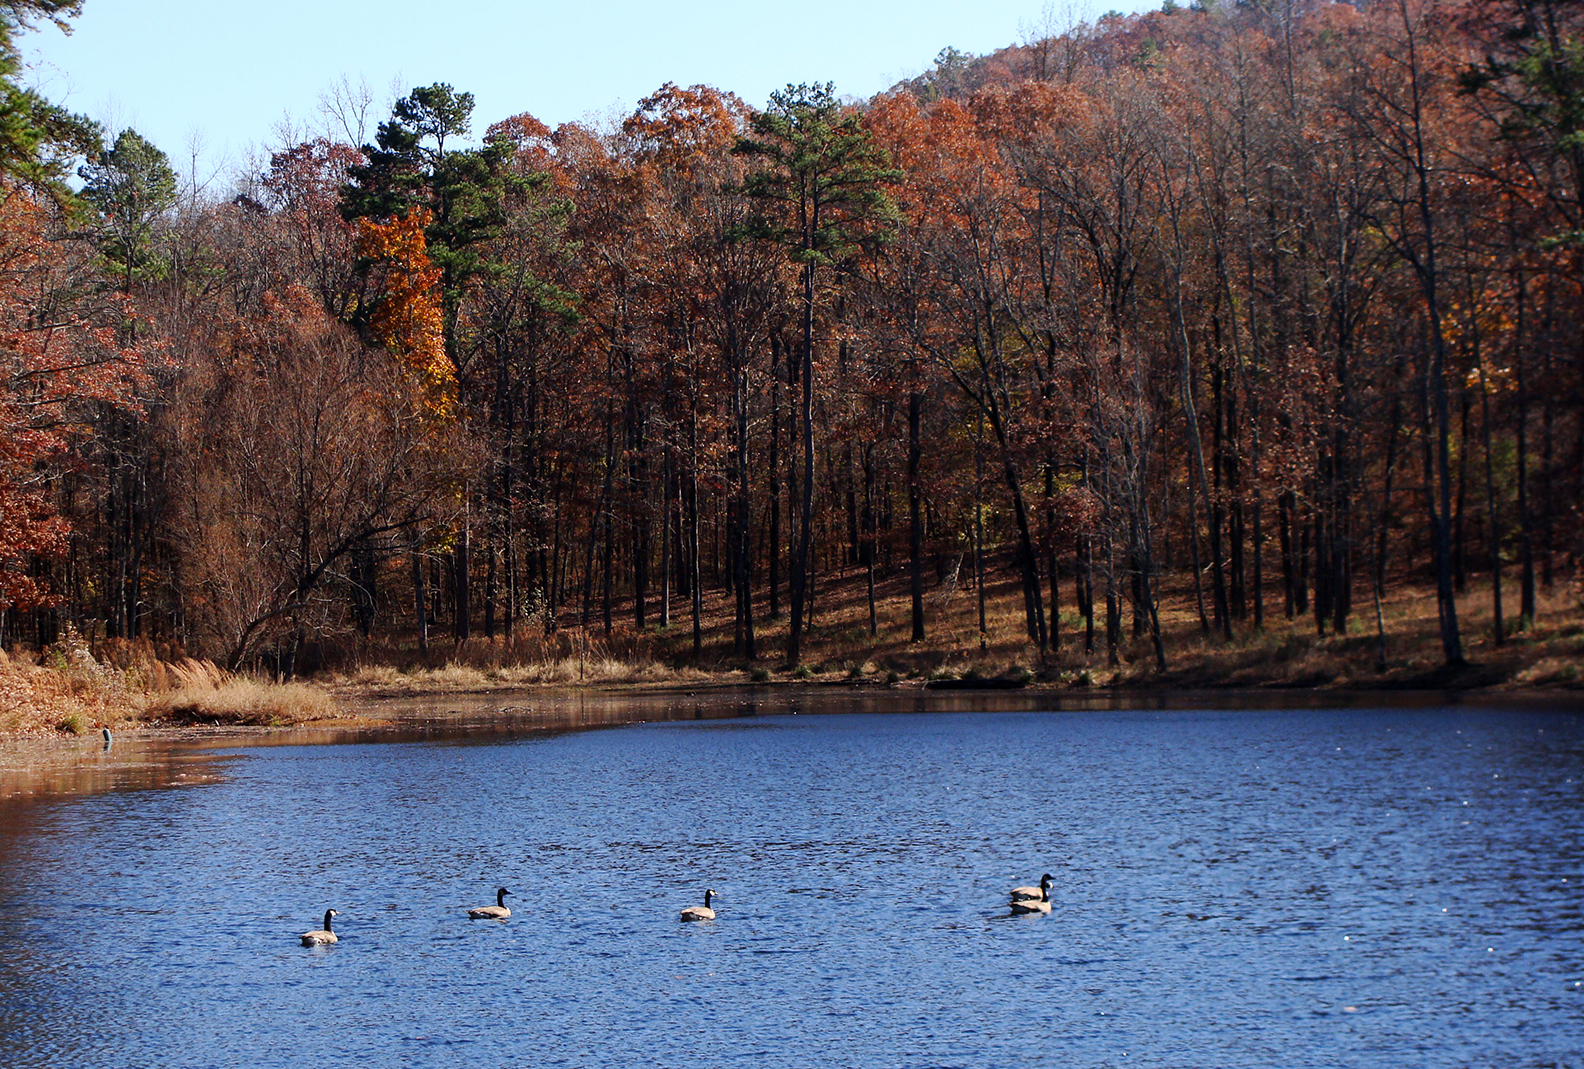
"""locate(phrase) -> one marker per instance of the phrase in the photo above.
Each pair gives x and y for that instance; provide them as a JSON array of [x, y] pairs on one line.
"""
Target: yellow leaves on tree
[[407, 319]]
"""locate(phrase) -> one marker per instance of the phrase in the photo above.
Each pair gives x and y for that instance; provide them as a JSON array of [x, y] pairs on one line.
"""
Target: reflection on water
[[1299, 888], [42, 767], [31, 768]]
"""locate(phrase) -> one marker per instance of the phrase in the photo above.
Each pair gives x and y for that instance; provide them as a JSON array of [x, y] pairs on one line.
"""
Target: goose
[[323, 937], [1041, 892], [496, 912], [700, 913], [107, 739], [1033, 905]]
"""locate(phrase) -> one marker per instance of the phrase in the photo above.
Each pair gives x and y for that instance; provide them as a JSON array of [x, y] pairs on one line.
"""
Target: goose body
[[496, 912], [700, 913], [1033, 905], [324, 936], [1042, 892]]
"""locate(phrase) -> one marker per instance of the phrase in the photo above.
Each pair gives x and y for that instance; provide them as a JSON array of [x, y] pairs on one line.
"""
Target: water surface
[[1319, 887]]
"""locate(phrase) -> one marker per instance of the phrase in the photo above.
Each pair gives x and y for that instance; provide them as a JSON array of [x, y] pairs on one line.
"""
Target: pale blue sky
[[230, 72]]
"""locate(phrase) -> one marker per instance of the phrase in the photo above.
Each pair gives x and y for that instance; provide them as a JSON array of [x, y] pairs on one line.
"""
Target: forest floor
[[70, 690], [1403, 652]]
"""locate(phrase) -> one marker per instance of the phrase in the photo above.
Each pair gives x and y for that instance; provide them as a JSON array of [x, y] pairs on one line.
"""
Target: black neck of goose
[[706, 899], [328, 914], [500, 897]]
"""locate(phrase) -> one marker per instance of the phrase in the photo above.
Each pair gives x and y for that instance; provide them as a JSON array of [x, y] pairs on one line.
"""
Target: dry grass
[[74, 692], [1552, 672], [71, 692], [455, 677], [205, 694], [569, 658]]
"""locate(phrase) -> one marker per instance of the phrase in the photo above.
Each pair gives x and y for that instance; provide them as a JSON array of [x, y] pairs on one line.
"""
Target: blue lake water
[[1278, 888]]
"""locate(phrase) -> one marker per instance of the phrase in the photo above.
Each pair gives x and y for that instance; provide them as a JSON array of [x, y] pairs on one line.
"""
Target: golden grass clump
[[378, 676], [74, 692], [1551, 671], [597, 668], [207, 694]]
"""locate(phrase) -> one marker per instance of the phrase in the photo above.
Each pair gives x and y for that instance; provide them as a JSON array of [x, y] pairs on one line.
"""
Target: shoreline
[[72, 689], [378, 706], [159, 755]]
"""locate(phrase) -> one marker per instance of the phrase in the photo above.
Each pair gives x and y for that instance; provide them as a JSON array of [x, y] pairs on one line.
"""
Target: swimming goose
[[1033, 905], [1042, 891], [324, 936], [700, 913], [496, 912]]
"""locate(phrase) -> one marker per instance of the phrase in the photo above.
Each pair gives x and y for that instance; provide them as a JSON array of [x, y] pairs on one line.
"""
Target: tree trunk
[[1526, 574], [805, 533], [459, 586], [773, 483], [420, 597], [915, 510]]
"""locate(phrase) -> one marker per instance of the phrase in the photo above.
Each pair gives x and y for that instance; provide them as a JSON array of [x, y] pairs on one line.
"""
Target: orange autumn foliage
[[407, 319]]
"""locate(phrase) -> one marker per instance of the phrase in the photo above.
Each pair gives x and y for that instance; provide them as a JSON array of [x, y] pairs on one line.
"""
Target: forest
[[1268, 307]]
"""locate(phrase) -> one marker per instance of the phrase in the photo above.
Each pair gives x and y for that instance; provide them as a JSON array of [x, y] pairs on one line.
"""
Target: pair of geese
[[499, 911], [1024, 900], [326, 935]]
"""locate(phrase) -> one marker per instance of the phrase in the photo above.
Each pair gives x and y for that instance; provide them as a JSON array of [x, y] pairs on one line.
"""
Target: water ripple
[[1241, 889]]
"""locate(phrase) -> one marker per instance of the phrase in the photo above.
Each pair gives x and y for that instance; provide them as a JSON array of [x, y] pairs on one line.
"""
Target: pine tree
[[823, 184]]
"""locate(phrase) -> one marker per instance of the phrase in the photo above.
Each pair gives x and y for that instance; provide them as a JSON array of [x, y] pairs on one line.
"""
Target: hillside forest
[[1263, 306]]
